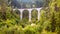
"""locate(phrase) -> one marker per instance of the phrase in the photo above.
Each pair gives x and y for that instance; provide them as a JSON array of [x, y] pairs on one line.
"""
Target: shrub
[[36, 29]]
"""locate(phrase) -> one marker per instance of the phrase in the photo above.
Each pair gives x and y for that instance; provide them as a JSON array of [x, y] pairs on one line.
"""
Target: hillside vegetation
[[49, 22]]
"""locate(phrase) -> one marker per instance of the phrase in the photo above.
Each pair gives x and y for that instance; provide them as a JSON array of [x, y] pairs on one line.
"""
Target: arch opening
[[17, 14], [34, 14], [25, 15]]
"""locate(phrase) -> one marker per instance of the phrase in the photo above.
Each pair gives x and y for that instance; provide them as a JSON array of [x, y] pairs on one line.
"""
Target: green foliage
[[11, 30], [34, 14], [35, 29]]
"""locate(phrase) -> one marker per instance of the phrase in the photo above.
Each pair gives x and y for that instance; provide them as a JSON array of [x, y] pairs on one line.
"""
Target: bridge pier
[[38, 14], [21, 14], [30, 14]]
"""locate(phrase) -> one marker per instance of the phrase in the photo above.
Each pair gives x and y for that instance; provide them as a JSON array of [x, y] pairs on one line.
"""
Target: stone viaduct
[[30, 11]]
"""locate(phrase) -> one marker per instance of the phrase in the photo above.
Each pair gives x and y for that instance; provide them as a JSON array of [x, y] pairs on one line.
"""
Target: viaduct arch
[[30, 12]]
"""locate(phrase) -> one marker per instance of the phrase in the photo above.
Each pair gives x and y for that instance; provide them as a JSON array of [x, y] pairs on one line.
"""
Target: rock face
[[27, 3]]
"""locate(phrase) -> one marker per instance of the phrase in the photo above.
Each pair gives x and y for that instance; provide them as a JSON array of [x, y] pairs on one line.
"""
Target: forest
[[49, 22], [27, 3]]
